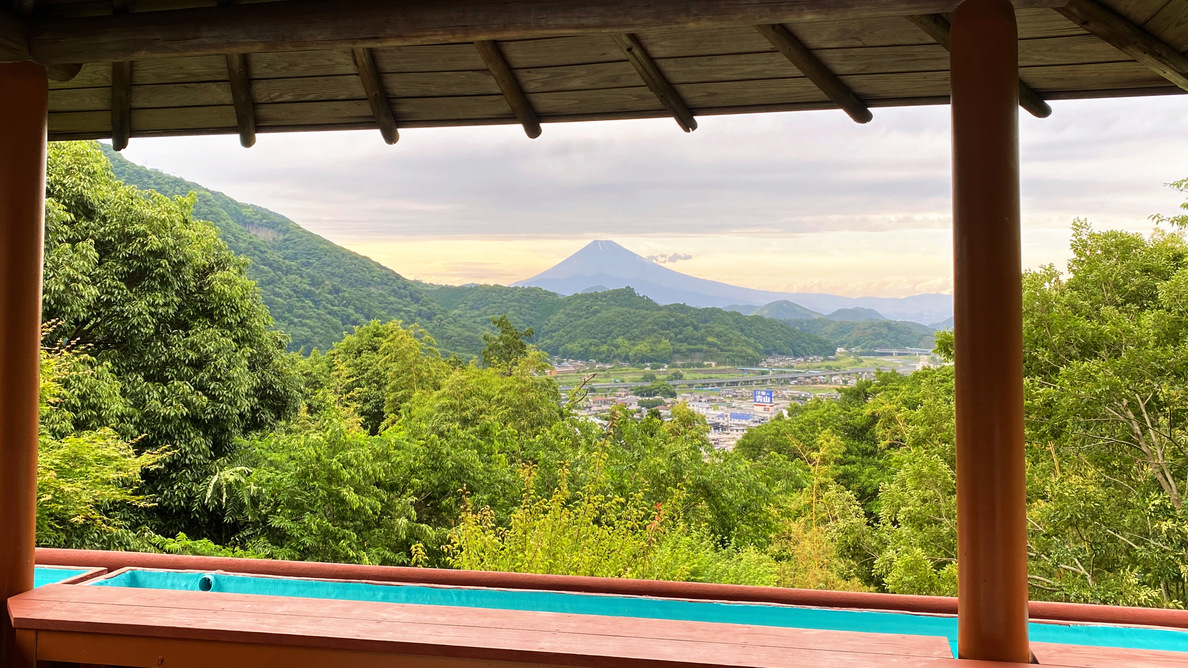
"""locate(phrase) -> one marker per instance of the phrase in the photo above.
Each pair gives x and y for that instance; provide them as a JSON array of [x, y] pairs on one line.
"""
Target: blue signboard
[[764, 397]]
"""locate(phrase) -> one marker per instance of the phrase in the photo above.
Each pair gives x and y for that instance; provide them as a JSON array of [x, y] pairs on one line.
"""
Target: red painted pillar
[[988, 328], [24, 90]]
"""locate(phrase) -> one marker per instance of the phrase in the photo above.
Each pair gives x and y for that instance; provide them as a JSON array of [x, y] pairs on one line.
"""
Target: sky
[[806, 201]]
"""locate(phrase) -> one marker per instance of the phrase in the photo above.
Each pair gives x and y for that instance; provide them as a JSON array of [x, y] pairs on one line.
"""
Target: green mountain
[[855, 314], [786, 310], [622, 325], [316, 291], [869, 334]]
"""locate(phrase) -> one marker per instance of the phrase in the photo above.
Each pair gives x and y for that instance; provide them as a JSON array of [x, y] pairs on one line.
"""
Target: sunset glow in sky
[[804, 201]]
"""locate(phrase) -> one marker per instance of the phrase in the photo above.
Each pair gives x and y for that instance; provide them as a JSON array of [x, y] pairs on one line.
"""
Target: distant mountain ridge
[[606, 263]]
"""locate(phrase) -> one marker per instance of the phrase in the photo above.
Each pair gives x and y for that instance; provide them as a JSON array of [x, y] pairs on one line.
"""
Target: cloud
[[671, 258]]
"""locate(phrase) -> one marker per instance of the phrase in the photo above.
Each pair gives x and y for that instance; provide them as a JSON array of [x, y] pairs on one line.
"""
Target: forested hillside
[[173, 420], [621, 325], [869, 334], [315, 290]]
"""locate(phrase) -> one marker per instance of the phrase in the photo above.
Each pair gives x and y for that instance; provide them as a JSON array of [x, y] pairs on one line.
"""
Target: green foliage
[[507, 348], [324, 490], [1107, 381], [378, 369], [166, 309], [87, 480], [657, 388], [590, 533]]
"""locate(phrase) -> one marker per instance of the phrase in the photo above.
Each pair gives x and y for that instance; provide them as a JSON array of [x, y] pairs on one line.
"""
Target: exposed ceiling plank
[[377, 96], [1132, 40], [14, 46], [817, 72], [63, 72], [937, 26], [512, 92], [121, 104], [344, 24], [638, 56], [241, 97]]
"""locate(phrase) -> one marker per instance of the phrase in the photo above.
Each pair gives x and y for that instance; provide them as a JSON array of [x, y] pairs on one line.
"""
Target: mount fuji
[[605, 265]]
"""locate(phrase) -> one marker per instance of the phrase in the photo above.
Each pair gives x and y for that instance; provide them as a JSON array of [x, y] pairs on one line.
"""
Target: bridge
[[734, 381]]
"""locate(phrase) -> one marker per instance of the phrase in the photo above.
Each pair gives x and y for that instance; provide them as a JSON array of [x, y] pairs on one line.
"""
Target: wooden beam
[[241, 97], [817, 72], [121, 104], [1130, 39], [638, 56], [14, 43], [315, 24], [63, 72], [377, 96], [516, 99], [937, 26]]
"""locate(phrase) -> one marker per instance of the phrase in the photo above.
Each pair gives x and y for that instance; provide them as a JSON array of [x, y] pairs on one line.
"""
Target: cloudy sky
[[797, 202]]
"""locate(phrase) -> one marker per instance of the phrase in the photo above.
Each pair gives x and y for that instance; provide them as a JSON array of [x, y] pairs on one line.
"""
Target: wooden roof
[[176, 67]]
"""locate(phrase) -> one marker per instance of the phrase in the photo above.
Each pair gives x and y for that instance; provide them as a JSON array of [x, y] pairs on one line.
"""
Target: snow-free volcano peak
[[608, 265]]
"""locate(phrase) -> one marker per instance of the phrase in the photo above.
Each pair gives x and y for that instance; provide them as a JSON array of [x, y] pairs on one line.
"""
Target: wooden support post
[[241, 97], [24, 88], [1159, 56], [638, 56], [817, 72], [988, 330], [377, 95], [121, 104], [937, 27], [512, 92]]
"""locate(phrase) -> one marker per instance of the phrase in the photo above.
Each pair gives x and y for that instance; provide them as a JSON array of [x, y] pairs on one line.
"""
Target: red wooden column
[[24, 91], [988, 326]]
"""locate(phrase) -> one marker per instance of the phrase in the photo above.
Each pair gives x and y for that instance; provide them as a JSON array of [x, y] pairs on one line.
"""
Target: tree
[[656, 388], [509, 346], [1107, 381], [88, 481], [377, 369], [157, 298]]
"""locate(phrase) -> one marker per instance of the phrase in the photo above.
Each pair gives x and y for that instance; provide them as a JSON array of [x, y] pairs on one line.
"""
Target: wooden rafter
[[937, 26], [638, 56], [512, 92], [121, 104], [816, 71], [344, 24], [1130, 39], [241, 97], [377, 95], [14, 45]]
